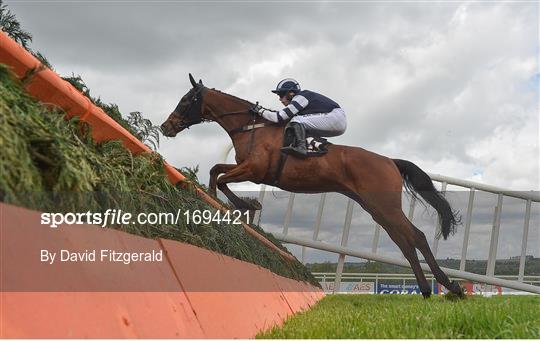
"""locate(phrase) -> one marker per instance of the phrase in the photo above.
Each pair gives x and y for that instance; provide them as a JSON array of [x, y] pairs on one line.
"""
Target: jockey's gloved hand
[[266, 113], [258, 109]]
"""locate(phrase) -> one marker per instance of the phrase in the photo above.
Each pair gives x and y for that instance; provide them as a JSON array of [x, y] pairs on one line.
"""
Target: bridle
[[194, 116], [193, 112]]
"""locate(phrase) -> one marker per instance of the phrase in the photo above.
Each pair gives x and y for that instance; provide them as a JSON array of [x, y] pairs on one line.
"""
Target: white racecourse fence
[[473, 187]]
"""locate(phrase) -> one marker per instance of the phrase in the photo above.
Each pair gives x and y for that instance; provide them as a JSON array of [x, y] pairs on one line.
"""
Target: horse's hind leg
[[398, 228], [385, 208], [423, 246]]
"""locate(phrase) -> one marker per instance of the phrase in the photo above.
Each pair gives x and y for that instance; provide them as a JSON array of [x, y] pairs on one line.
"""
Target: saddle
[[316, 145]]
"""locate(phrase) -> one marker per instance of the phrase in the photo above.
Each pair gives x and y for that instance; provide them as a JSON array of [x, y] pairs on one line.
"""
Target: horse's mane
[[246, 102], [235, 97]]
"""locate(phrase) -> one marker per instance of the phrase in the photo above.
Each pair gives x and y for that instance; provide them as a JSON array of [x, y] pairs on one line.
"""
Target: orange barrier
[[215, 284], [50, 88], [108, 315], [190, 293]]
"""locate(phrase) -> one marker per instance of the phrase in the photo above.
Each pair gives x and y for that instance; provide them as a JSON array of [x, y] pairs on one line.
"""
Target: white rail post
[[317, 227], [435, 246], [375, 243], [319, 217], [466, 234], [288, 214], [344, 240], [411, 209], [524, 240], [494, 237]]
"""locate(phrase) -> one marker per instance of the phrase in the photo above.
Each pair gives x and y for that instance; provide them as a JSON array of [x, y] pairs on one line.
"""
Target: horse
[[374, 181]]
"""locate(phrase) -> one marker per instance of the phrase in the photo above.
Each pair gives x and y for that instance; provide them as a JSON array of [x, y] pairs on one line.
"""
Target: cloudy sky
[[451, 86]]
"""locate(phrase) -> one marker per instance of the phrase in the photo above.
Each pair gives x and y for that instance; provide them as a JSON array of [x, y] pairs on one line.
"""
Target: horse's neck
[[221, 104]]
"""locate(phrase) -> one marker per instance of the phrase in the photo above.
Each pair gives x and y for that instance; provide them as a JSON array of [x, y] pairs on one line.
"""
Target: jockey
[[306, 111]]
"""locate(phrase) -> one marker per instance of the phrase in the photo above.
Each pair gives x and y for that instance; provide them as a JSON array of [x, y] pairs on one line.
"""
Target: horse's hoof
[[426, 294], [251, 205], [453, 296], [461, 294], [457, 289], [256, 205], [456, 292]]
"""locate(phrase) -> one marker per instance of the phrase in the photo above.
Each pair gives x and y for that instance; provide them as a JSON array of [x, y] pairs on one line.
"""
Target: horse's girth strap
[[281, 164], [249, 127]]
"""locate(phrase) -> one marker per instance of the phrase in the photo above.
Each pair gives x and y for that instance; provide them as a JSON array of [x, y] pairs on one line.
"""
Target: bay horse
[[372, 180]]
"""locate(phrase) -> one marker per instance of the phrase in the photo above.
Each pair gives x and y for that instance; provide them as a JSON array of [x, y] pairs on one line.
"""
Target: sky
[[452, 86]]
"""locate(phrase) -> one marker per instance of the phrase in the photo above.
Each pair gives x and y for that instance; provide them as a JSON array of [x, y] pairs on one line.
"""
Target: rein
[[194, 112], [249, 127], [194, 115]]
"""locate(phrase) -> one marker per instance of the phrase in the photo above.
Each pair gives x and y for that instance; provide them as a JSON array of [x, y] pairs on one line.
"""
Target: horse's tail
[[417, 181]]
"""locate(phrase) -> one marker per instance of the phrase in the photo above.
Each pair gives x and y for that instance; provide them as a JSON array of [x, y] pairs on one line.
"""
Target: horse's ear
[[200, 82], [192, 80]]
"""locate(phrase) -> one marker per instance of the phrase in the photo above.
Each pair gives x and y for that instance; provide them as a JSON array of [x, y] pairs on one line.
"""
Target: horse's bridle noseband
[[194, 116]]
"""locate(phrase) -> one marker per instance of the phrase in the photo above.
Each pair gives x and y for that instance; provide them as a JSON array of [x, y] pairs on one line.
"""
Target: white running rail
[[489, 278]]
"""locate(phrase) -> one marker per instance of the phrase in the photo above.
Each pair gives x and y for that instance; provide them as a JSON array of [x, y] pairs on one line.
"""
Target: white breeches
[[329, 124]]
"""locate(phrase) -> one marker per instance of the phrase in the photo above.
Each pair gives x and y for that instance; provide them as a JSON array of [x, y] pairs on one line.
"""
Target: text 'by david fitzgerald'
[[104, 255]]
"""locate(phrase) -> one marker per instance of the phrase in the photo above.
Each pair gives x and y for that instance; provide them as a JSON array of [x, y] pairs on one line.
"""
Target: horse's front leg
[[240, 173], [215, 172]]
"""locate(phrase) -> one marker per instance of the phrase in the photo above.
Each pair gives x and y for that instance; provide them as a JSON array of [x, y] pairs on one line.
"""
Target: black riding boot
[[298, 148]]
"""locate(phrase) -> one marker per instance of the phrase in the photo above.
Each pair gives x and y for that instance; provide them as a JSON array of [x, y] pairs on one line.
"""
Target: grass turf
[[410, 316]]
